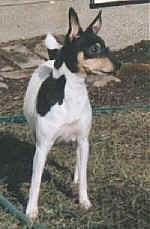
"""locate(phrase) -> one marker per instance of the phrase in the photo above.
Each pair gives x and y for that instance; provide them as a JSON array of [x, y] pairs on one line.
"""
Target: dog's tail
[[52, 45], [51, 42]]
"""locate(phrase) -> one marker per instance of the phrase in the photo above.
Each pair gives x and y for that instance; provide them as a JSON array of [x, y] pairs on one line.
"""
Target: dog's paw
[[86, 204], [32, 213], [76, 179]]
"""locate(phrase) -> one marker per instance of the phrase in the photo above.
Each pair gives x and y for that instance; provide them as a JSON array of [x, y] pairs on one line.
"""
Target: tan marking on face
[[94, 64]]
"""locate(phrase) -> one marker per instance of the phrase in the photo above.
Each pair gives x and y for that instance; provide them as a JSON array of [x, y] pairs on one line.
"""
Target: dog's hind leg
[[38, 167]]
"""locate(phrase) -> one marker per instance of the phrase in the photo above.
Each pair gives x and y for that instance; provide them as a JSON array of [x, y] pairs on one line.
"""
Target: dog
[[56, 104]]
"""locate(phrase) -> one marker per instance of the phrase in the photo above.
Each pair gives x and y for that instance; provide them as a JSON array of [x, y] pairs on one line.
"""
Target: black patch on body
[[51, 92]]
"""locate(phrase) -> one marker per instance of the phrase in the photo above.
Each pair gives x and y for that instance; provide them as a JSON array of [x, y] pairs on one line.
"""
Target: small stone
[[1, 78], [20, 74], [3, 85], [6, 68]]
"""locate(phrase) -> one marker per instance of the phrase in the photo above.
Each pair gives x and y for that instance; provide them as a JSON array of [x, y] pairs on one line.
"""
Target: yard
[[119, 161]]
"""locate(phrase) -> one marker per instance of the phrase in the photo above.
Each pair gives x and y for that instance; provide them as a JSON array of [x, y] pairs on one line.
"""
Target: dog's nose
[[105, 52]]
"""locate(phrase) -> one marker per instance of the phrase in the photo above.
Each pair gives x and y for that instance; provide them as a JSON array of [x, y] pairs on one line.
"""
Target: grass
[[118, 176], [118, 168]]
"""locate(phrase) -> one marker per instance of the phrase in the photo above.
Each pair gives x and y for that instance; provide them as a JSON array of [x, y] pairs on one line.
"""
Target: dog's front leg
[[76, 173], [83, 145], [38, 167]]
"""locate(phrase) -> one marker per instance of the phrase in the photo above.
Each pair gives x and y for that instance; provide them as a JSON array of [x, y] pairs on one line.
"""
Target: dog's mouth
[[102, 73], [102, 78], [114, 71]]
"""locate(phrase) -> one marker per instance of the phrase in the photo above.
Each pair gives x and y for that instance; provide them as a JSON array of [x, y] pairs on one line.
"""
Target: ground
[[118, 168]]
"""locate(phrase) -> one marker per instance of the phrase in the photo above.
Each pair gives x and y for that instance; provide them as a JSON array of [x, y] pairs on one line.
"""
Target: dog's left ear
[[74, 25], [96, 24]]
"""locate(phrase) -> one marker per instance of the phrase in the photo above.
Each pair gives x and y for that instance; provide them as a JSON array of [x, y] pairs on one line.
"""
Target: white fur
[[69, 121], [51, 42]]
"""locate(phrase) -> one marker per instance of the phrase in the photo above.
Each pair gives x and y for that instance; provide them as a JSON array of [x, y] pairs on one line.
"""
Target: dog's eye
[[96, 48]]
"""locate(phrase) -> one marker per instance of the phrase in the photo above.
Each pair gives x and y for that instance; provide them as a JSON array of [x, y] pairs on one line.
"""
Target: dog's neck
[[75, 78]]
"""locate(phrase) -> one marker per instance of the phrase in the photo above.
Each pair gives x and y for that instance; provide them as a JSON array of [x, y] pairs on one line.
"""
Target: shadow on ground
[[15, 163], [16, 167]]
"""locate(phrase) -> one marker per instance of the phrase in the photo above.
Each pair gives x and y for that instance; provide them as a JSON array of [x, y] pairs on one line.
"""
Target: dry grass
[[118, 176], [118, 169]]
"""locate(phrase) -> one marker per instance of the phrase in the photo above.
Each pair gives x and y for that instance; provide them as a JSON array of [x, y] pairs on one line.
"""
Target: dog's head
[[85, 51]]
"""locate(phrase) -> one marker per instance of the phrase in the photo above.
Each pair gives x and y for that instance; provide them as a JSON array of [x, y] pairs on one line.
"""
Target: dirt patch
[[138, 53]]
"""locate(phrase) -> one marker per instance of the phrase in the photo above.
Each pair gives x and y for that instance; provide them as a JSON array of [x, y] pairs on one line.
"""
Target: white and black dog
[[56, 103]]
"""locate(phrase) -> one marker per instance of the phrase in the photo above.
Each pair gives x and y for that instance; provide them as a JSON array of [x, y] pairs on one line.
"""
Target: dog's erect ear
[[74, 25], [96, 24]]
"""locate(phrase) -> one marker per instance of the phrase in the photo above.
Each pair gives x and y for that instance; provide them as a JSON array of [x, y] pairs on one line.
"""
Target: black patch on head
[[51, 92], [92, 46], [78, 40]]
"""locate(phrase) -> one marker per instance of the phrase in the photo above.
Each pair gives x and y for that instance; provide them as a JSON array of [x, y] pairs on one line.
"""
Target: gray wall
[[122, 25]]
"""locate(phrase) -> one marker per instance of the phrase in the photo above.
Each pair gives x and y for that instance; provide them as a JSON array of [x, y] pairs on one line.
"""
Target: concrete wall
[[122, 25]]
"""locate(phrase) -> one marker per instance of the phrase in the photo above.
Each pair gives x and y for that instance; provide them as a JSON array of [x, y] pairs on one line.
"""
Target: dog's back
[[30, 100]]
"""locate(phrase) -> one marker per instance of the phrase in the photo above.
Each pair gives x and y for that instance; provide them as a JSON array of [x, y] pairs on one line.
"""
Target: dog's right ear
[[74, 25], [96, 24]]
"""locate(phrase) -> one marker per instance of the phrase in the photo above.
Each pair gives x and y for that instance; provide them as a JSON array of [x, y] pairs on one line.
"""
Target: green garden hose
[[19, 214], [19, 118]]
